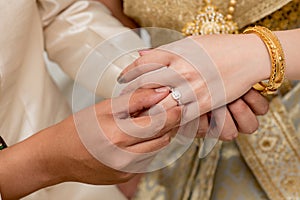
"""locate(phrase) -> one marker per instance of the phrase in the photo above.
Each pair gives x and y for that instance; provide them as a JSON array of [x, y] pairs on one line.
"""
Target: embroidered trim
[[273, 154]]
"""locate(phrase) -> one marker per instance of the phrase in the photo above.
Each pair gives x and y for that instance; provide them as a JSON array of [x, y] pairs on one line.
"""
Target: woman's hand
[[209, 71], [61, 153], [239, 116]]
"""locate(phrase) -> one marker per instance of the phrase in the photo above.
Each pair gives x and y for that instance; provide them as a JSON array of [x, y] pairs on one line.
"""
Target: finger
[[138, 101], [187, 132], [173, 132], [149, 127], [258, 103], [157, 79], [222, 125], [147, 63], [144, 51], [166, 104], [129, 89], [245, 118], [173, 80], [203, 126], [149, 146]]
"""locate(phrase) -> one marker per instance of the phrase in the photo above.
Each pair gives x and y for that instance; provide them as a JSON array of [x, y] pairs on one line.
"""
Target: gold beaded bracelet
[[277, 60]]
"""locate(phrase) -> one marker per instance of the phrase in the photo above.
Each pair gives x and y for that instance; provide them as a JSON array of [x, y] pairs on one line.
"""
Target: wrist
[[55, 152], [243, 55], [22, 168], [258, 58]]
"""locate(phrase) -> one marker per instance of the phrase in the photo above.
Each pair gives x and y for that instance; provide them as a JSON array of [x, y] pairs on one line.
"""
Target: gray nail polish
[[121, 80]]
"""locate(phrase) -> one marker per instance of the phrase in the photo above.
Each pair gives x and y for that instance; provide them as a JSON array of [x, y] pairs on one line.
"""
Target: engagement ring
[[176, 95]]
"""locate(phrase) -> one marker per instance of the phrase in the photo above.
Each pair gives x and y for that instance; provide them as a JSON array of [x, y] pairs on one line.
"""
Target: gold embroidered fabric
[[233, 177], [182, 179], [272, 165], [174, 14], [273, 153], [285, 18]]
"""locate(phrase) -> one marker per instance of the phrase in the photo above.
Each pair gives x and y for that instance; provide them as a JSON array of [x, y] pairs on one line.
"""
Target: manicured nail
[[121, 79], [162, 89], [143, 52]]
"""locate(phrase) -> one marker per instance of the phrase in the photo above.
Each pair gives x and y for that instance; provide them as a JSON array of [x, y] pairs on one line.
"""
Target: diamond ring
[[176, 95]]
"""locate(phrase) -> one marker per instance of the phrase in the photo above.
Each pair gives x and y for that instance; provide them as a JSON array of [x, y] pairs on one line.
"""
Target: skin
[[234, 122], [56, 154], [241, 113], [31, 164], [239, 66]]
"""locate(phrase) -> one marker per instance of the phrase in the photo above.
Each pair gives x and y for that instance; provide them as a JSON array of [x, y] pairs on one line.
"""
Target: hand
[[241, 117], [207, 75], [57, 154], [225, 123]]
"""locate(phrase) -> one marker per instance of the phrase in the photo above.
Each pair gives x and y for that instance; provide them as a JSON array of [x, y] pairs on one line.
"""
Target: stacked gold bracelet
[[277, 60]]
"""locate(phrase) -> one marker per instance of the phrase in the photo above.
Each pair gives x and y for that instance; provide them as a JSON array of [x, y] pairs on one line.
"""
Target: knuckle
[[189, 76], [204, 100]]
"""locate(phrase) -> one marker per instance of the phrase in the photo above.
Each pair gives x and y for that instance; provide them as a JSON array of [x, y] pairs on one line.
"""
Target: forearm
[[259, 57], [50, 157], [23, 166], [255, 57], [246, 59]]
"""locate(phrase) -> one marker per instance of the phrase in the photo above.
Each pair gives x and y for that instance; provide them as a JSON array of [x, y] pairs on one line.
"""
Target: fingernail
[[162, 89], [121, 79], [143, 52]]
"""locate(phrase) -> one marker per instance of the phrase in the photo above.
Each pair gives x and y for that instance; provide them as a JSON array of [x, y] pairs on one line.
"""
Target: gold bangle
[[277, 59]]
